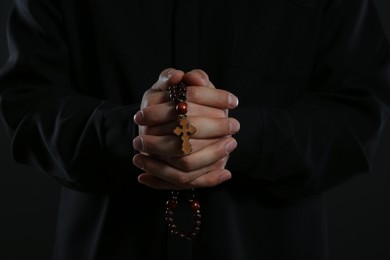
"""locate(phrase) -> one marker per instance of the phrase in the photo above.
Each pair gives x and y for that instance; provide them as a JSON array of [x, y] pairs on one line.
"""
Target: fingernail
[[230, 146], [225, 177], [138, 117], [234, 126], [232, 101], [201, 73], [140, 179], [171, 73], [138, 162], [138, 143]]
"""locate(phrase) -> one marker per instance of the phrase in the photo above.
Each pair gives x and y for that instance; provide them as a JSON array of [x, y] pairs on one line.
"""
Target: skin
[[164, 164]]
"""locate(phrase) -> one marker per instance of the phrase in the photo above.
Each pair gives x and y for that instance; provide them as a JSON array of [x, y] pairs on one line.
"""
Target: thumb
[[197, 77], [168, 77]]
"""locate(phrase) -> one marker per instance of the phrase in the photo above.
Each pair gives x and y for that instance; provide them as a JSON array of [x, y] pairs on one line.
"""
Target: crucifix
[[185, 130]]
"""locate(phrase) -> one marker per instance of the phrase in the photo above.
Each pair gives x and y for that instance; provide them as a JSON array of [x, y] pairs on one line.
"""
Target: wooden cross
[[185, 130]]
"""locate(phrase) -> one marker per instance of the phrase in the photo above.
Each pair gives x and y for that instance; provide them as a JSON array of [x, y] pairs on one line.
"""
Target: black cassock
[[312, 77]]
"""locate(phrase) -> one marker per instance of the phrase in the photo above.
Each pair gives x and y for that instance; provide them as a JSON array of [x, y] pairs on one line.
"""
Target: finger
[[166, 172], [197, 77], [168, 145], [158, 145], [214, 127], [156, 115], [206, 127], [210, 179], [171, 152], [205, 157], [166, 112], [217, 98]]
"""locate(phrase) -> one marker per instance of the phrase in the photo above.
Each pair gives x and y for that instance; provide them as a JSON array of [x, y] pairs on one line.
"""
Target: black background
[[359, 210]]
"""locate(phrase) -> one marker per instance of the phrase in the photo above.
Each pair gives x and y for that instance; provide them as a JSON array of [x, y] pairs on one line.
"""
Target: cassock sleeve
[[330, 133], [83, 142]]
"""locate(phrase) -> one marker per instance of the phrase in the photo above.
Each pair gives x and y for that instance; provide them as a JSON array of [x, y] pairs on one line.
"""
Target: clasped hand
[[164, 164]]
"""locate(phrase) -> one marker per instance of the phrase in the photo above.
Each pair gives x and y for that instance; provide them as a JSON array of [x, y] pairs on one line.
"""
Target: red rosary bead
[[195, 206], [182, 108], [171, 204]]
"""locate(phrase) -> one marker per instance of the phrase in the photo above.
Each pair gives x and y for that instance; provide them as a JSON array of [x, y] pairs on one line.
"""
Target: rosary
[[177, 94]]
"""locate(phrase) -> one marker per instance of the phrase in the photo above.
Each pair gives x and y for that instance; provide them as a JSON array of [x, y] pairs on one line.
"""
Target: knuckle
[[155, 99], [184, 163], [148, 115], [147, 130], [191, 94], [227, 126], [222, 113], [222, 163], [207, 182], [210, 182], [183, 179]]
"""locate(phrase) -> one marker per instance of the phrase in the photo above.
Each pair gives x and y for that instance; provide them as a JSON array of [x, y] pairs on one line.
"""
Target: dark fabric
[[312, 77]]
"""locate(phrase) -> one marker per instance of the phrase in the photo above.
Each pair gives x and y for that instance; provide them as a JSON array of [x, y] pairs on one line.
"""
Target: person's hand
[[161, 157]]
